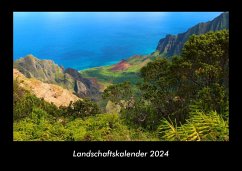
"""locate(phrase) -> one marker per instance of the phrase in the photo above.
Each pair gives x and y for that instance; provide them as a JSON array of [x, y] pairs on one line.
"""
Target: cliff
[[49, 72], [172, 44]]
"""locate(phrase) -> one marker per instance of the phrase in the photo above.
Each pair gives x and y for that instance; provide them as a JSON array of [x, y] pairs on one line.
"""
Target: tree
[[134, 109], [209, 56], [120, 94], [162, 87], [200, 72], [81, 108]]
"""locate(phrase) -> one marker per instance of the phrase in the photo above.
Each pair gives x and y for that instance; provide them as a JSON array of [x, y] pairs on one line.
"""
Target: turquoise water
[[88, 39]]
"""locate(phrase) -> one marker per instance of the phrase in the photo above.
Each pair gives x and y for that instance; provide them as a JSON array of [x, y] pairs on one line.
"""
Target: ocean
[[82, 40]]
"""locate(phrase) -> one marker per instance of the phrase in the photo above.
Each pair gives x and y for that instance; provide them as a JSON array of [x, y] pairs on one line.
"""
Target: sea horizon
[[83, 40]]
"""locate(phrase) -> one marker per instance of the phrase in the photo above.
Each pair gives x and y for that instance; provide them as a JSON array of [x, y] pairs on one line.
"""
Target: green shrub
[[200, 127], [39, 126], [103, 127], [81, 108], [76, 130], [213, 98]]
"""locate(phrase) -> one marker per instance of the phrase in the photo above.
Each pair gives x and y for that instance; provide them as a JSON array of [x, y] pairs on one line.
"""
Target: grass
[[105, 76]]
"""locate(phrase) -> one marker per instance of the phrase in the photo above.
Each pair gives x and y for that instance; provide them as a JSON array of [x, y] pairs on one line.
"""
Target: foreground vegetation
[[38, 120], [185, 98]]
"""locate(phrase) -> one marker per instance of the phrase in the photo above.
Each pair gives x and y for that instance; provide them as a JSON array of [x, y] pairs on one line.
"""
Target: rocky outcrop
[[49, 72], [80, 88], [173, 44], [167, 44], [49, 92], [83, 86], [44, 70]]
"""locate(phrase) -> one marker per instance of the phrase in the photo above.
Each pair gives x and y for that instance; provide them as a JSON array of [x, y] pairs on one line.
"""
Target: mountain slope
[[49, 72], [49, 92], [172, 44]]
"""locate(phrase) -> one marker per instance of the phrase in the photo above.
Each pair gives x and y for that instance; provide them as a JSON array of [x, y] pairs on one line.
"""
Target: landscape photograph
[[121, 76]]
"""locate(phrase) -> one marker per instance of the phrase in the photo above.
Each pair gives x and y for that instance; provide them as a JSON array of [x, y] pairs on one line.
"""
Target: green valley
[[106, 76]]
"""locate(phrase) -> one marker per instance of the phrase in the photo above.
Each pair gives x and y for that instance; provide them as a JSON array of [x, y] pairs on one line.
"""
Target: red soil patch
[[122, 65]]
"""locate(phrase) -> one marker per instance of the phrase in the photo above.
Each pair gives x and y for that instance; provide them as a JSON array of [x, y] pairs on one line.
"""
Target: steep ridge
[[83, 86], [49, 92], [172, 44], [49, 72]]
